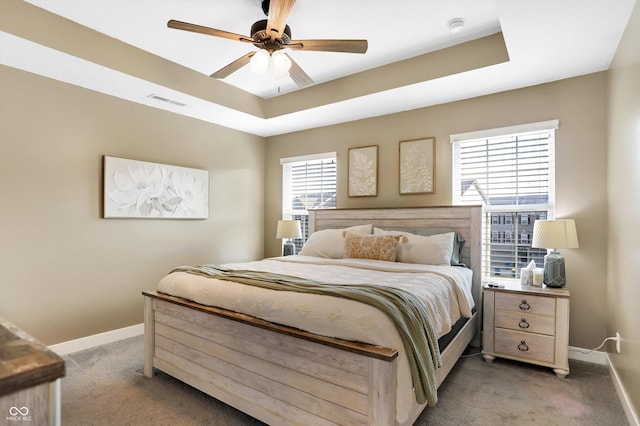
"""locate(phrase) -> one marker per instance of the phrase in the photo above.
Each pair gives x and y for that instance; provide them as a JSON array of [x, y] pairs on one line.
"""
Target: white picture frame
[[140, 189]]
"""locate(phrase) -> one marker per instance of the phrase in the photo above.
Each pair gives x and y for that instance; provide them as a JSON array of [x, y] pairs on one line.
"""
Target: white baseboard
[[602, 358], [595, 357], [89, 342], [623, 396]]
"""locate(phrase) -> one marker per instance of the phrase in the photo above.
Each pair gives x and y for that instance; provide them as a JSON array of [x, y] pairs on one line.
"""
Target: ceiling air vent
[[160, 98]]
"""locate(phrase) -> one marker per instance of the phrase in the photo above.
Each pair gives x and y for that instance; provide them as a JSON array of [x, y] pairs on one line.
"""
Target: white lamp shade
[[288, 229], [281, 64], [555, 234], [260, 62], [277, 63]]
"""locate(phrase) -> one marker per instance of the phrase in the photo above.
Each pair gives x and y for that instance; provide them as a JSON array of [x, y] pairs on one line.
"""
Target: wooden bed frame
[[282, 375]]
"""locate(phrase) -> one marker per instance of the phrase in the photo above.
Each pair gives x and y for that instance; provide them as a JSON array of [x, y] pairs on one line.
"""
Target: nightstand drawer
[[528, 323], [526, 303], [521, 345]]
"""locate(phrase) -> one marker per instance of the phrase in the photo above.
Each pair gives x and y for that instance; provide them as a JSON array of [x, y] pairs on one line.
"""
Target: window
[[308, 182], [508, 171]]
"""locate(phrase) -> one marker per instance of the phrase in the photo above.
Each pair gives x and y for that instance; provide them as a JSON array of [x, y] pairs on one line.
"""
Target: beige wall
[[579, 104], [623, 282], [67, 273]]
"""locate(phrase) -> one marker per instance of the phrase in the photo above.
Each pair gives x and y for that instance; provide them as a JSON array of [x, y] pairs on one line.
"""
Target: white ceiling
[[546, 40]]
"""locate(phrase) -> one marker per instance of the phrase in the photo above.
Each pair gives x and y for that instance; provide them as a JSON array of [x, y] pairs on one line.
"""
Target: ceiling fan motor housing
[[263, 40]]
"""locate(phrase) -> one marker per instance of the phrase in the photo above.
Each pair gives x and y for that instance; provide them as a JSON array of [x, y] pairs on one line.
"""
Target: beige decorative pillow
[[329, 243], [426, 250], [381, 247]]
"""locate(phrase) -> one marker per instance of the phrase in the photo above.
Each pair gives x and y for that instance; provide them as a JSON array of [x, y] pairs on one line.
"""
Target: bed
[[285, 374]]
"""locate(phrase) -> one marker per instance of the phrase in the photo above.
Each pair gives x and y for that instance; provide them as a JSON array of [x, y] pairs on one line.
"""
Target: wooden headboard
[[466, 220]]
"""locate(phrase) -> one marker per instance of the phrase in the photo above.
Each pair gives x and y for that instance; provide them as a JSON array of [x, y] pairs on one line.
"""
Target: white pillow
[[427, 250], [329, 243]]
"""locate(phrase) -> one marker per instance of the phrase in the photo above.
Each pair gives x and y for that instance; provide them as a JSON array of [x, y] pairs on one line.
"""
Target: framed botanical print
[[417, 166], [363, 171]]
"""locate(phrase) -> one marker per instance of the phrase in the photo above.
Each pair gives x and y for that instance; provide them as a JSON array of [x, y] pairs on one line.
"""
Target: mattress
[[444, 290]]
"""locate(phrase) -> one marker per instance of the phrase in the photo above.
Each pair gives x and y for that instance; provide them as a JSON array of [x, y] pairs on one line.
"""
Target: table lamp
[[553, 235], [288, 229]]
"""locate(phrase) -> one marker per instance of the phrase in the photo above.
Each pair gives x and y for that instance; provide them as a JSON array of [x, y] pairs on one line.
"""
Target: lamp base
[[288, 249], [554, 270]]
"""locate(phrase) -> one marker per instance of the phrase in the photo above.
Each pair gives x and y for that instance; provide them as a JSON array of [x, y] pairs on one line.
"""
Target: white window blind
[[511, 176], [309, 182]]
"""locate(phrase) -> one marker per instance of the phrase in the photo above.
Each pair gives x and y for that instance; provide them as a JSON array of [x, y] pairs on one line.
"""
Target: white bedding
[[445, 291]]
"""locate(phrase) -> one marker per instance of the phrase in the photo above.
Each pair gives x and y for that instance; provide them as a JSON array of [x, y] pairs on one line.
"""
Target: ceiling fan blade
[[179, 25], [298, 75], [278, 13], [348, 46], [233, 66]]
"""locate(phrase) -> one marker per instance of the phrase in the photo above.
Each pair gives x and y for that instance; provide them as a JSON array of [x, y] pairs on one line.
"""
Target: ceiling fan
[[271, 36]]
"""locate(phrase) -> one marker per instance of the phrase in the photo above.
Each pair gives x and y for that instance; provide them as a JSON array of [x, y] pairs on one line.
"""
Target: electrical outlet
[[617, 342]]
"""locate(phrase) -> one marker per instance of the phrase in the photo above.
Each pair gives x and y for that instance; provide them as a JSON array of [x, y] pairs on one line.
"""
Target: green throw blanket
[[409, 315]]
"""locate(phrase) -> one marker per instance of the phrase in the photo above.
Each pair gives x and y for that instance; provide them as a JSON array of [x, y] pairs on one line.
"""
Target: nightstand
[[528, 324]]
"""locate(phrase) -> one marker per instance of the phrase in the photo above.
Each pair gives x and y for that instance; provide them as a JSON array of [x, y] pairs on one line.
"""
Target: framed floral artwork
[[363, 171], [417, 166], [138, 189]]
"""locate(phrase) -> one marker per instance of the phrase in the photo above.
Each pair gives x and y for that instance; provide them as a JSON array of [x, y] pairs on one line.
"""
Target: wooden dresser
[[527, 323], [29, 373]]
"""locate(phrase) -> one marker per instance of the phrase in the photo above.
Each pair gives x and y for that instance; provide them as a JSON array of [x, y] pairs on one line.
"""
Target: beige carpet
[[105, 386]]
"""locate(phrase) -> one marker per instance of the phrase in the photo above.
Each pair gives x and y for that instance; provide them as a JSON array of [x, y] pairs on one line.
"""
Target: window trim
[[505, 131], [286, 166], [549, 207], [308, 157]]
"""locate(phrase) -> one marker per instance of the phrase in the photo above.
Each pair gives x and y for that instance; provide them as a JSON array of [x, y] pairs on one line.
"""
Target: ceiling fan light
[[260, 62], [281, 64]]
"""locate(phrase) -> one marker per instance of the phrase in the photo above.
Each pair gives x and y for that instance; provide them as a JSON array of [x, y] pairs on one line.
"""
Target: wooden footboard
[[279, 375]]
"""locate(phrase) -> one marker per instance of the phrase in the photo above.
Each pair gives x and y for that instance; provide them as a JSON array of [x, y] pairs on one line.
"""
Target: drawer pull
[[523, 323], [522, 347], [524, 305]]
